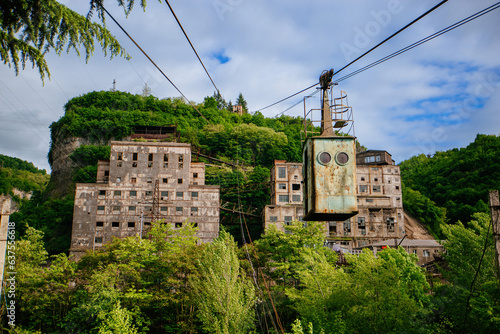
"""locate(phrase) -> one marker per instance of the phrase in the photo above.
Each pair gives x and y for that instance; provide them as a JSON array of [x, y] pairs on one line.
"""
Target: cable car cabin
[[329, 165]]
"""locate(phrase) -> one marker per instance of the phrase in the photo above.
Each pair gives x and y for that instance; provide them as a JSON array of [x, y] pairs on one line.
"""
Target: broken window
[[165, 157], [195, 175], [148, 193], [426, 253], [390, 224], [150, 157], [149, 180], [296, 186], [181, 157], [133, 180], [347, 227], [165, 180], [165, 165], [281, 185], [133, 193], [178, 225], [119, 164], [179, 181], [99, 224], [362, 228], [118, 179], [363, 188], [98, 240], [164, 194], [115, 224], [181, 166], [134, 157], [119, 156], [150, 164], [134, 164], [118, 193], [332, 227], [376, 188], [102, 192], [131, 224]]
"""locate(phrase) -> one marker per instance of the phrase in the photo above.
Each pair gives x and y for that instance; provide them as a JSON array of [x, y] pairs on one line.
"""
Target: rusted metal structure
[[329, 168]]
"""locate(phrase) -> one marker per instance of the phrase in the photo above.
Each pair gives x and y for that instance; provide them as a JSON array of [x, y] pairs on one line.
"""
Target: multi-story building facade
[[379, 197], [141, 181]]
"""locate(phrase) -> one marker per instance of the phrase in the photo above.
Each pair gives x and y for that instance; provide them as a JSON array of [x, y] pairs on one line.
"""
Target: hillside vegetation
[[453, 185], [22, 175]]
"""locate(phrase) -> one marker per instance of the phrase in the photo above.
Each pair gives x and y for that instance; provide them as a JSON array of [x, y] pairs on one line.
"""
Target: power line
[[364, 54], [413, 45], [185, 34], [424, 40], [388, 38], [152, 62]]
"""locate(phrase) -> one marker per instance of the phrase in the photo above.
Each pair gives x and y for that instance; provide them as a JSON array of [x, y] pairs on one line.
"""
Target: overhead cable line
[[364, 54], [152, 62], [424, 40], [185, 34], [388, 38]]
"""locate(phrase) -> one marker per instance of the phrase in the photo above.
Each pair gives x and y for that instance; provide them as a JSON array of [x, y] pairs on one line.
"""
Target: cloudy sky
[[435, 97]]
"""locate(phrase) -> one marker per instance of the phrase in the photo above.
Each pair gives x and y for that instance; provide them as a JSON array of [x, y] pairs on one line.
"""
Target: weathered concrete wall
[[121, 203]]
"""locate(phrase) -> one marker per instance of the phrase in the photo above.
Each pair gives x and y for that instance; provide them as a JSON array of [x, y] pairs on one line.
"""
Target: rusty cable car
[[329, 160]]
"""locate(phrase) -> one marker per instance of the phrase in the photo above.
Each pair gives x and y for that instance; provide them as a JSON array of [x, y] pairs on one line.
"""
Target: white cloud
[[410, 104]]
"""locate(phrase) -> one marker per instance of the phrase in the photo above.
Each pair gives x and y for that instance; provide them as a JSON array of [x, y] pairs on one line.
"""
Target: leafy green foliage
[[225, 298], [53, 217], [22, 180], [464, 246], [18, 164], [457, 180], [29, 29]]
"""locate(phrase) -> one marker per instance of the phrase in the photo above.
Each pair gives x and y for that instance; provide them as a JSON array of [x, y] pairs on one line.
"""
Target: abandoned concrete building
[[380, 204], [143, 181]]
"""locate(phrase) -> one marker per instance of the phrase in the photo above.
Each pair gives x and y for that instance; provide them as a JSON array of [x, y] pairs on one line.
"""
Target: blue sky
[[435, 97]]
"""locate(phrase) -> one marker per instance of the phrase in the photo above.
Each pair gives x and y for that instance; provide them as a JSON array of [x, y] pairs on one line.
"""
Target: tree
[[240, 101], [224, 296], [30, 29]]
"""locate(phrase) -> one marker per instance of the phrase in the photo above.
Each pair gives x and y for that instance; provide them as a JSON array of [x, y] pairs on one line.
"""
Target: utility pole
[[495, 215], [325, 81]]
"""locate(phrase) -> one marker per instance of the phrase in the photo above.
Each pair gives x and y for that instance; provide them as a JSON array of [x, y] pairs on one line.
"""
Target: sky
[[435, 97]]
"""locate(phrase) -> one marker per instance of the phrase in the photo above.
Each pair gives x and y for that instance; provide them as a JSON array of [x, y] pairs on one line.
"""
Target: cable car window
[[324, 158], [342, 158]]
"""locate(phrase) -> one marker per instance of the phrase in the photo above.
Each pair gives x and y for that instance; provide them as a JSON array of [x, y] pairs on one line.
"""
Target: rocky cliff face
[[61, 178]]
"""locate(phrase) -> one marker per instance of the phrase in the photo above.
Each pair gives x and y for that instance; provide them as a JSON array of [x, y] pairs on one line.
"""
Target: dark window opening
[[296, 186], [150, 157], [131, 224], [115, 224], [99, 224]]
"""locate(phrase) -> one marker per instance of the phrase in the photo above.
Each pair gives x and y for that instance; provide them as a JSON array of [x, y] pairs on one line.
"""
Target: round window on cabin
[[324, 158], [342, 158]]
